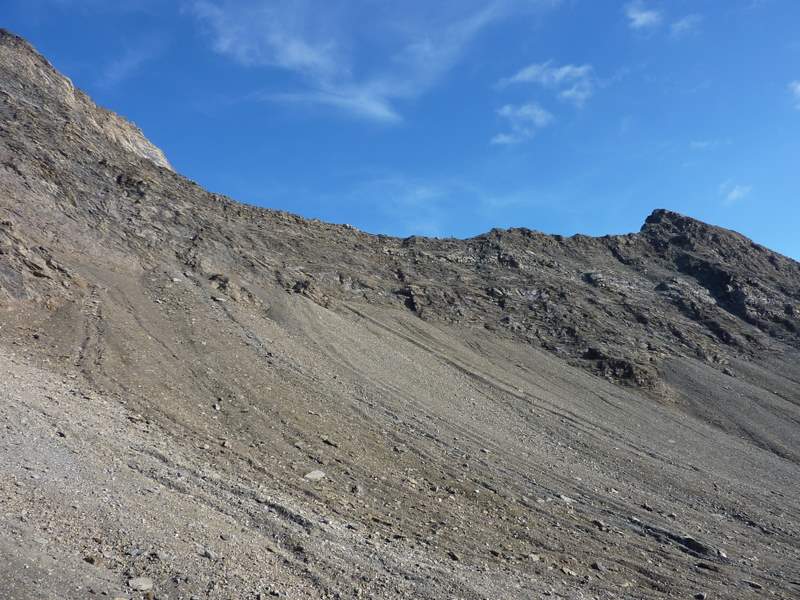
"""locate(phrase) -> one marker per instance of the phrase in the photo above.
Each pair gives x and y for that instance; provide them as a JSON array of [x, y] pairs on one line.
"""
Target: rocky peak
[[666, 222], [29, 83]]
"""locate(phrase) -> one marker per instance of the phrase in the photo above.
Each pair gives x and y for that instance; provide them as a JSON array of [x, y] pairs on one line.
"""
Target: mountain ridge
[[39, 72], [7, 37], [209, 399]]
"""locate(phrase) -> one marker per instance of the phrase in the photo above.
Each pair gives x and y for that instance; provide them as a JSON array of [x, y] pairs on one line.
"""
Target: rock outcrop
[[200, 398]]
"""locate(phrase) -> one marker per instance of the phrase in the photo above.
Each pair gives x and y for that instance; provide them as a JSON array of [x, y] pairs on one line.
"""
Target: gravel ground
[[200, 399]]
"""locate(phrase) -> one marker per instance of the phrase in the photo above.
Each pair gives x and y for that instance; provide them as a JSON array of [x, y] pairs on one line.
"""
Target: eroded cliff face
[[33, 82], [511, 415]]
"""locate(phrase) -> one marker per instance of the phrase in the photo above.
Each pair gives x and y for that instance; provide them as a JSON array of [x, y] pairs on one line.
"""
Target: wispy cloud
[[412, 205], [734, 192], [688, 25], [708, 144], [91, 7], [269, 34], [794, 90], [433, 206], [575, 83], [359, 100], [133, 58], [640, 17], [524, 121], [339, 63], [702, 144]]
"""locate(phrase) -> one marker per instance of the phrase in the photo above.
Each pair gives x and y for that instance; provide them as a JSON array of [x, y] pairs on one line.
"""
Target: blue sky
[[451, 117]]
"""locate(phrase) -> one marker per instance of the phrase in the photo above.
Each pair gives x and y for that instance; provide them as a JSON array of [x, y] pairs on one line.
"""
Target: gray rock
[[753, 584], [141, 584], [314, 476]]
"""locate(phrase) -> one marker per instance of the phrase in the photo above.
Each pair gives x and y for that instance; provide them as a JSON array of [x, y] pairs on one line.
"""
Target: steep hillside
[[230, 402]]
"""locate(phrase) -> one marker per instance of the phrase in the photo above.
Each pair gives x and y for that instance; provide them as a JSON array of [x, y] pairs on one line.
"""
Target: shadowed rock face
[[226, 401]]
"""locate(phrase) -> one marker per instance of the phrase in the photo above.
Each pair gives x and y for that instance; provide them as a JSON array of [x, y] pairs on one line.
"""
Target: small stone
[[598, 566], [209, 554], [141, 584], [453, 556], [569, 572], [314, 476], [700, 596], [753, 584], [600, 525]]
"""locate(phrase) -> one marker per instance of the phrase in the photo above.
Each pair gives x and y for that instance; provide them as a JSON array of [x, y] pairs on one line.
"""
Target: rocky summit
[[204, 399]]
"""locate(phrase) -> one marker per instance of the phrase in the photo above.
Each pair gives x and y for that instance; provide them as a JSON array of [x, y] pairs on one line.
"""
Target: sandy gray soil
[[203, 399]]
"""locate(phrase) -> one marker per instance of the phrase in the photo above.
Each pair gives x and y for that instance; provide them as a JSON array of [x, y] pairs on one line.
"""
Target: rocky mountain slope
[[203, 399]]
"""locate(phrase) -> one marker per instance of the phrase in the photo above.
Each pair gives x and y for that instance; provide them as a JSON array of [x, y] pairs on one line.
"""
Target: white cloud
[[711, 144], [546, 74], [412, 205], [131, 60], [794, 90], [354, 100], [524, 121], [97, 6], [733, 192], [686, 26], [640, 17], [738, 192], [575, 83], [269, 34], [337, 60]]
